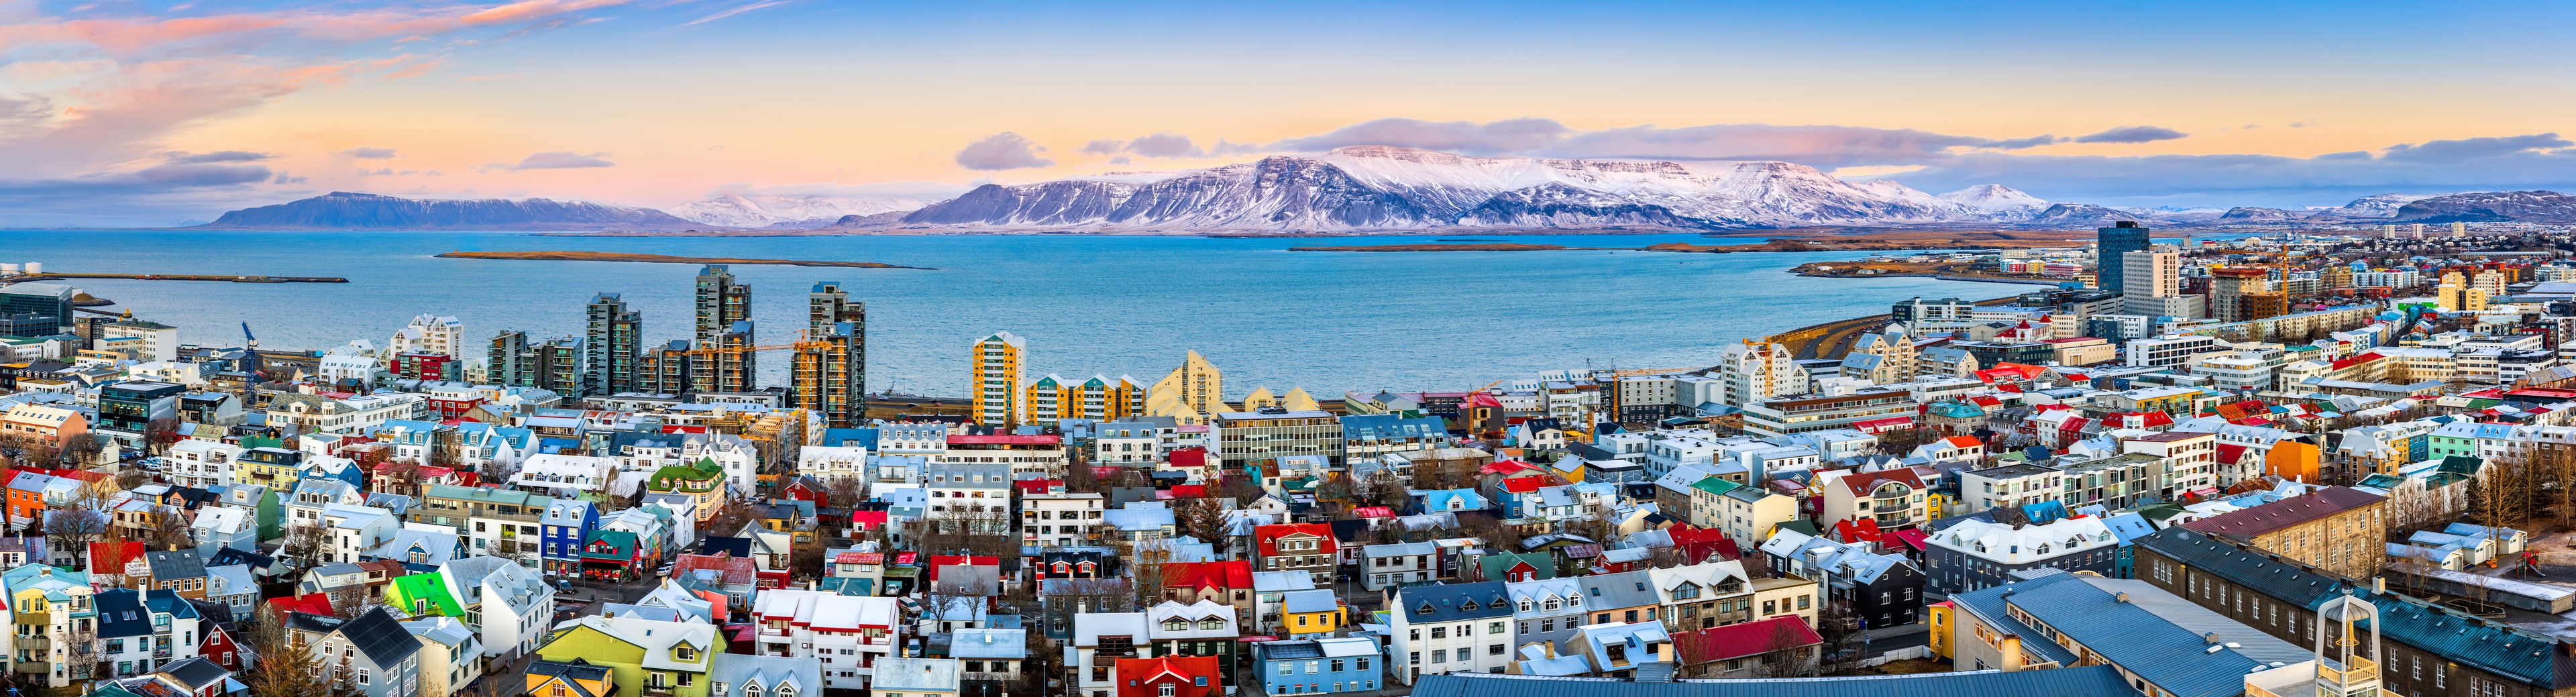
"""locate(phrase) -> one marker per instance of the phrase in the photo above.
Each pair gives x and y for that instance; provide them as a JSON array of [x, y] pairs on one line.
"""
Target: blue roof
[[851, 437], [1449, 602], [2128, 635], [1391, 426], [1988, 603], [2086, 681], [121, 614], [2045, 512]]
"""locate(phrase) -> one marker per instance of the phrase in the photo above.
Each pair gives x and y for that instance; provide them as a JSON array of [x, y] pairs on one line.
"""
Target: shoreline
[[574, 255]]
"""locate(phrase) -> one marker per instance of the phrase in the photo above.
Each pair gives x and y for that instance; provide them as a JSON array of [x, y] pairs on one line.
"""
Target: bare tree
[[160, 434], [1200, 518], [284, 669], [399, 476], [303, 547], [728, 520], [1786, 653], [78, 527], [844, 492], [170, 531], [82, 452]]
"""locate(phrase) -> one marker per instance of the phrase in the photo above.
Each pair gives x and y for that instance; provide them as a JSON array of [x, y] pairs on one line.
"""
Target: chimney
[[2120, 598], [2211, 637]]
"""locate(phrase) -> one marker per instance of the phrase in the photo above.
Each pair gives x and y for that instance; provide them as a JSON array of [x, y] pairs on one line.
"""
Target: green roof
[[670, 477], [622, 541], [1497, 564], [409, 590], [1715, 485]]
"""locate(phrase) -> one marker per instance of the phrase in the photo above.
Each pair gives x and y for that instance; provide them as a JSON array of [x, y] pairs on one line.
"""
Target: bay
[[1111, 305]]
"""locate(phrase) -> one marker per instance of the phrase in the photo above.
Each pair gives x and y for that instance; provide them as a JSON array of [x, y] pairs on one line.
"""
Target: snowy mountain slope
[[1379, 187], [2492, 206], [1995, 198], [2368, 208], [341, 210], [765, 210]]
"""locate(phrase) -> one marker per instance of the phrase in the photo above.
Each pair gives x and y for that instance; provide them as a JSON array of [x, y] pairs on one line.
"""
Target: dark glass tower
[[2121, 237]]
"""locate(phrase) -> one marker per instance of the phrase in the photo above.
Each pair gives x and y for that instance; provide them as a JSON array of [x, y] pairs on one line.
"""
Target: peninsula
[[571, 255]]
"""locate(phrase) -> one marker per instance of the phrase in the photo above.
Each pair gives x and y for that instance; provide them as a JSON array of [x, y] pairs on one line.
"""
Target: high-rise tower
[[832, 360], [615, 335], [2120, 238], [998, 360]]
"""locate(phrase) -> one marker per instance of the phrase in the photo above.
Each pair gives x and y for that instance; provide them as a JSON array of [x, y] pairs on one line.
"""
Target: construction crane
[[247, 336], [801, 344]]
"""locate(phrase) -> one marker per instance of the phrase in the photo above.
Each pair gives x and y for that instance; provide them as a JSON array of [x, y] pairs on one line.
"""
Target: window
[[1167, 690]]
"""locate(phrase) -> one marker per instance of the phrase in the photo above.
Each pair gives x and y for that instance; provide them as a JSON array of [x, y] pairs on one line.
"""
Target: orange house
[[2292, 460], [27, 494]]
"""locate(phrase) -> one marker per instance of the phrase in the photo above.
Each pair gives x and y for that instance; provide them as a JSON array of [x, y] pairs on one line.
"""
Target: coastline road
[[1834, 339]]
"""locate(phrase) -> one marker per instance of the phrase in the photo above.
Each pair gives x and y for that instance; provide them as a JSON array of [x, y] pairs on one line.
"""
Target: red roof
[[1860, 483], [1878, 425], [2230, 452], [1226, 575], [1189, 491], [1268, 536], [1192, 456], [1372, 512], [1146, 677], [1857, 531], [868, 520], [1036, 486], [1910, 538], [309, 603], [1507, 467], [1965, 442], [943, 560], [1523, 485], [738, 571], [110, 557], [1741, 640]]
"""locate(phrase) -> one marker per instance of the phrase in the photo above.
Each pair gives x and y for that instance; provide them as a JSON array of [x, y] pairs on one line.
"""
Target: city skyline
[[153, 113]]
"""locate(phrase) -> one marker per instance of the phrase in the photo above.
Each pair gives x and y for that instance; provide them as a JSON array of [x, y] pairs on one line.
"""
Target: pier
[[51, 276]]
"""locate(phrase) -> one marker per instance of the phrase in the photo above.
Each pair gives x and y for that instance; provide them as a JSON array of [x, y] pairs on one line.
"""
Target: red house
[[220, 647], [309, 603], [1170, 676], [1308, 547]]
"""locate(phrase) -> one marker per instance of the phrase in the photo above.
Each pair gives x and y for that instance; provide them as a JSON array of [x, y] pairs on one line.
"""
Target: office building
[[37, 309], [665, 369], [615, 340], [831, 375], [1752, 372], [995, 378], [721, 303], [2244, 293], [727, 362], [503, 359], [2455, 294], [2152, 286], [2111, 245]]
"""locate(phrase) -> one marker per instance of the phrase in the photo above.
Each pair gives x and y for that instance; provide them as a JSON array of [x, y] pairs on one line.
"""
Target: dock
[[50, 276]]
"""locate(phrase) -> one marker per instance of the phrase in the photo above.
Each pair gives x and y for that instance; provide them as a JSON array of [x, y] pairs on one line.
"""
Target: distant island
[[1909, 242], [569, 255]]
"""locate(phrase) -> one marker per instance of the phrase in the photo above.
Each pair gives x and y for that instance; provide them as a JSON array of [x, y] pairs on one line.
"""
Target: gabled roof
[[1744, 639]]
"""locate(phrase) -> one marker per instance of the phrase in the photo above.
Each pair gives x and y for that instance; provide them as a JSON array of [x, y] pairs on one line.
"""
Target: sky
[[157, 113]]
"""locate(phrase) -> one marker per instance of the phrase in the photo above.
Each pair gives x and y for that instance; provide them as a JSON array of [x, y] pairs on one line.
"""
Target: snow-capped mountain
[[1995, 198], [765, 210], [2369, 207], [2492, 206], [341, 210], [1380, 188]]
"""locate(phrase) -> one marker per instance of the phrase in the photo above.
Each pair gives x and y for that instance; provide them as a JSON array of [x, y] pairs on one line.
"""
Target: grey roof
[[896, 673], [2200, 620], [175, 564], [1623, 589], [1318, 600], [375, 633], [988, 643], [739, 669], [2087, 681]]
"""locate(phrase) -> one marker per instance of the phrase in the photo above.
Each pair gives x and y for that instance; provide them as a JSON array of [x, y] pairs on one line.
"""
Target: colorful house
[[610, 555], [1172, 676], [702, 481], [422, 595], [643, 657]]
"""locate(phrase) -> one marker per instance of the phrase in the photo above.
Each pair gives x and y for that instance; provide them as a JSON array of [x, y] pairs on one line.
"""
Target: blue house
[[1445, 500], [567, 523], [332, 468], [1318, 666]]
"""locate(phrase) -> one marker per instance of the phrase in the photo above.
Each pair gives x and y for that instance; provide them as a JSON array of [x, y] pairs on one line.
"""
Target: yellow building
[[1190, 393], [1100, 398], [1295, 400], [2456, 294], [997, 361], [1314, 612]]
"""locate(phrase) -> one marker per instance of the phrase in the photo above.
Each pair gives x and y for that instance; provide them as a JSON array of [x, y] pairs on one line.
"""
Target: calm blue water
[[1327, 322]]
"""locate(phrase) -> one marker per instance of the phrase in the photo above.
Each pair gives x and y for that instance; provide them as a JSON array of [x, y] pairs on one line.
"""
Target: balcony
[[2363, 666], [33, 642]]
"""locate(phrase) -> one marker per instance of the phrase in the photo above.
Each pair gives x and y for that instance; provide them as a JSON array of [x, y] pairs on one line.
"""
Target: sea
[[1328, 322]]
